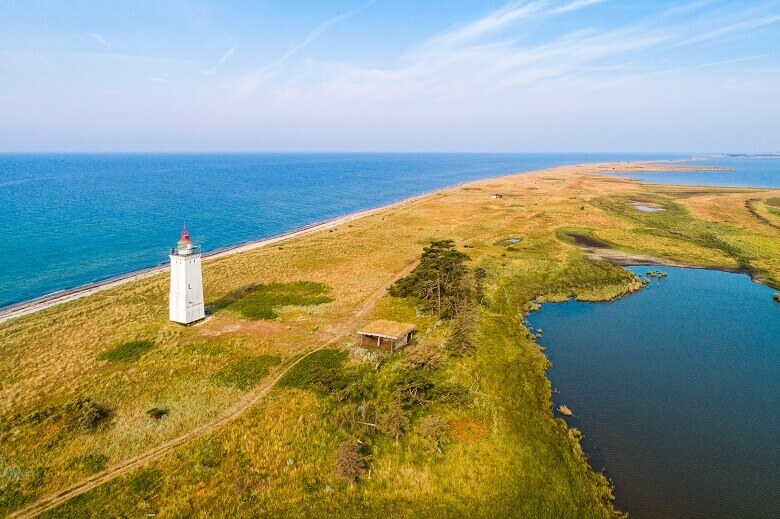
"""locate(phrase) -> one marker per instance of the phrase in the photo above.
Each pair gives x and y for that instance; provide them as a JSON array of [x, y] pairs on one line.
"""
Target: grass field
[[476, 436]]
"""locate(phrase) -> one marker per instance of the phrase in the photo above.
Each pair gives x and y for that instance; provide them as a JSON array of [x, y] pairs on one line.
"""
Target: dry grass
[[54, 357]]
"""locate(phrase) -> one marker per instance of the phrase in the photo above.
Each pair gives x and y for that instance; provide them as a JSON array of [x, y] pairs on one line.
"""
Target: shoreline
[[457, 208], [46, 301]]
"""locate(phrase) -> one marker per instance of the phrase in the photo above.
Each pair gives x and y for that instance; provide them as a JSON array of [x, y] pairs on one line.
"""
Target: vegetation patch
[[773, 202], [18, 485], [320, 370], [582, 238], [89, 463], [245, 372], [468, 429], [145, 481], [127, 351], [264, 301], [82, 415]]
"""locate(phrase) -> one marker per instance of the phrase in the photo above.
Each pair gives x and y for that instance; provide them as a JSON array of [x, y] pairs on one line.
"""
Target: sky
[[390, 75]]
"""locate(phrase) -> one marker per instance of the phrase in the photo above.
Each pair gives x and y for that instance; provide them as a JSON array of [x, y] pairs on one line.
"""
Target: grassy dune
[[77, 380]]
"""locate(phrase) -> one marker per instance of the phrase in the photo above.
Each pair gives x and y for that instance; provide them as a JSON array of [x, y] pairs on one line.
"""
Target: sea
[[71, 219]]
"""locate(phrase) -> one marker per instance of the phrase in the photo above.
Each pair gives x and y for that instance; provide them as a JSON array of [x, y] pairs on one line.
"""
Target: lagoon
[[677, 391]]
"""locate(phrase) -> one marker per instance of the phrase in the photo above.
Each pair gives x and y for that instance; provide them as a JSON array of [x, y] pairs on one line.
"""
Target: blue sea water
[[71, 219], [740, 171], [676, 389]]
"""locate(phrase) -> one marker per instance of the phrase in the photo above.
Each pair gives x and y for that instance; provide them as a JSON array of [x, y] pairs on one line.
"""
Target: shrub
[[158, 412], [434, 430], [245, 372], [461, 339], [127, 352], [350, 460], [85, 415], [413, 388], [425, 355], [394, 420], [80, 416], [210, 456]]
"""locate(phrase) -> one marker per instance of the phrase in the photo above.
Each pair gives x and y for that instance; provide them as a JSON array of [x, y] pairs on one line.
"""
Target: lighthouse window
[[189, 285]]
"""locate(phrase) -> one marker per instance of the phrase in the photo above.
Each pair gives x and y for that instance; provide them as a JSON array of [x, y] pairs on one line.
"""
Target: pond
[[677, 391]]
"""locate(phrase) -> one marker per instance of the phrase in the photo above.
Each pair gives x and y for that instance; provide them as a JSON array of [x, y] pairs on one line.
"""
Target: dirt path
[[243, 404]]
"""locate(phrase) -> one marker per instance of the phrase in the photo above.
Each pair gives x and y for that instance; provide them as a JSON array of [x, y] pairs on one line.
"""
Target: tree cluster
[[444, 284], [440, 282]]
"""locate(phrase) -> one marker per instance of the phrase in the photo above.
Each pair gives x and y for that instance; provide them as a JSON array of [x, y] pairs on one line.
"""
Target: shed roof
[[387, 329]]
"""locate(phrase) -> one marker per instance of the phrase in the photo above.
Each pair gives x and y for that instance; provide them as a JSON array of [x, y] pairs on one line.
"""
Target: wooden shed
[[387, 335]]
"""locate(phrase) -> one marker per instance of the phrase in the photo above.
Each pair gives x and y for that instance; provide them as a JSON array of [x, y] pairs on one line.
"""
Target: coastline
[[46, 301], [357, 262], [41, 303]]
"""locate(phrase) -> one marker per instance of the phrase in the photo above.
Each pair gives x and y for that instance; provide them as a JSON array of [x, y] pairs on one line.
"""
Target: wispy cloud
[[490, 55], [100, 39], [251, 81], [224, 58], [732, 61], [489, 24], [575, 5], [722, 31]]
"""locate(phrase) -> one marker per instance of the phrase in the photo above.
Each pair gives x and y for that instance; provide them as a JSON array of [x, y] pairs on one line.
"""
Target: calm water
[[677, 391], [70, 219], [747, 172]]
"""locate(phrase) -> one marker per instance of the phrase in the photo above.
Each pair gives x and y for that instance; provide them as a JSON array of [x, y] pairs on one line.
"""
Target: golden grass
[[53, 357]]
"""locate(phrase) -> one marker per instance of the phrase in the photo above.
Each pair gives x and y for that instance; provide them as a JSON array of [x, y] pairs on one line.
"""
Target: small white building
[[186, 297]]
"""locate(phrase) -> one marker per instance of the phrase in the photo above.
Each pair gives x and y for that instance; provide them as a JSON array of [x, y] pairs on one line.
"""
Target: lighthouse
[[186, 298]]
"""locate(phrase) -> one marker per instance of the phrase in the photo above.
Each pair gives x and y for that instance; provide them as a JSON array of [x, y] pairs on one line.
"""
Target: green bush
[[158, 412], [127, 351]]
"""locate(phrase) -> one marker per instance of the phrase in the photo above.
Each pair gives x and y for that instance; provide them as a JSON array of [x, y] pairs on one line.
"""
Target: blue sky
[[456, 75]]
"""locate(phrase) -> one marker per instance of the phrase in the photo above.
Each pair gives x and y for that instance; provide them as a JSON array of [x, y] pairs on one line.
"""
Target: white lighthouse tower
[[186, 300]]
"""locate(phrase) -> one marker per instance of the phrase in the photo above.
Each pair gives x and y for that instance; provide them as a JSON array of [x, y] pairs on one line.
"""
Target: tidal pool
[[677, 391], [648, 208]]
